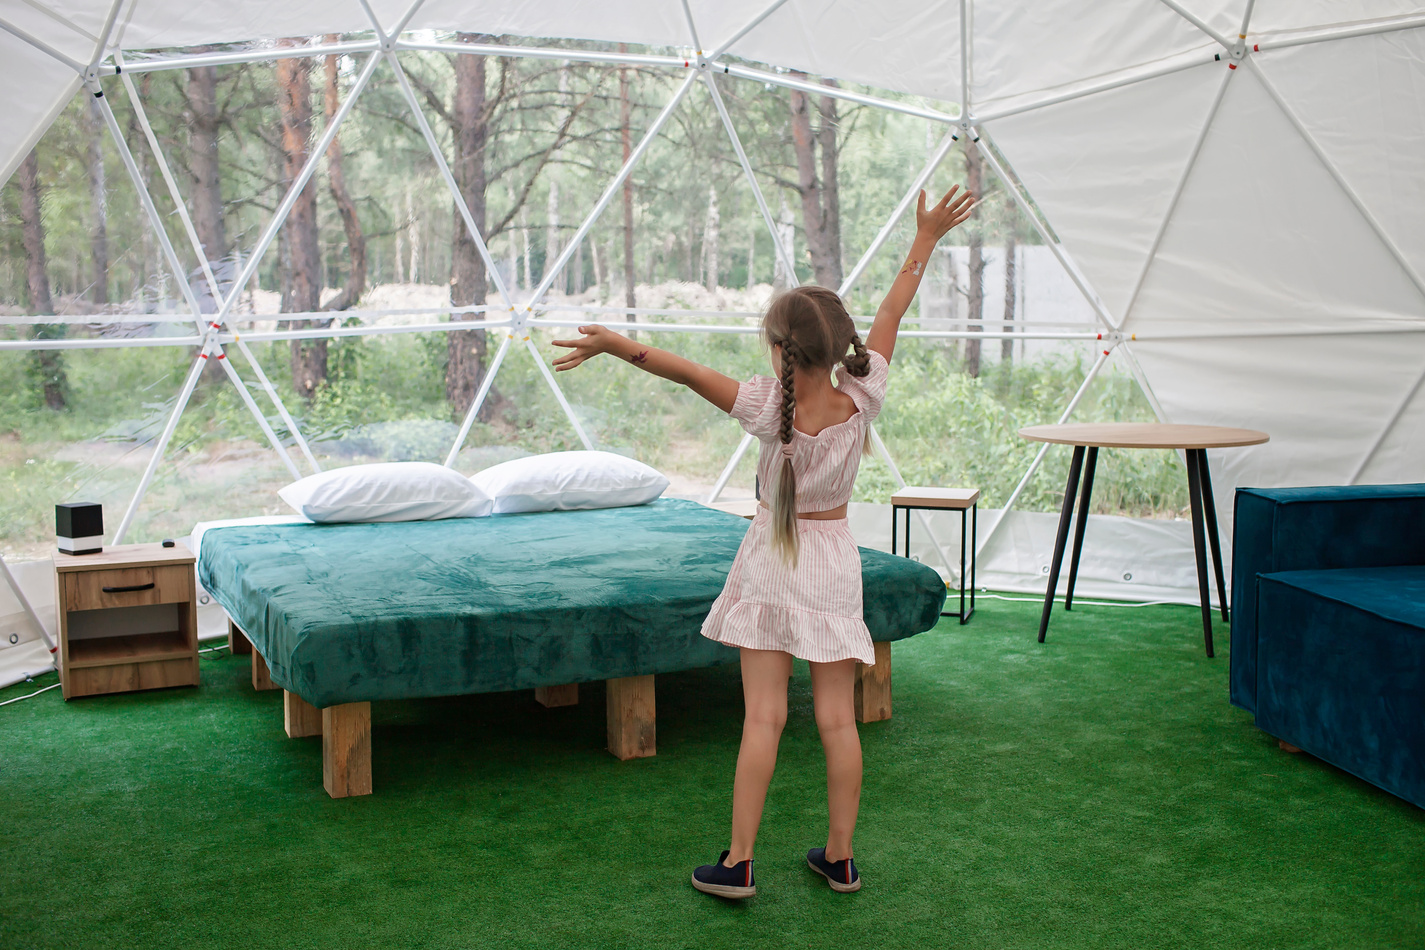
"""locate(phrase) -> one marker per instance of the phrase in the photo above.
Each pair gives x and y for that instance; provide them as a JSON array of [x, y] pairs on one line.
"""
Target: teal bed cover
[[347, 613]]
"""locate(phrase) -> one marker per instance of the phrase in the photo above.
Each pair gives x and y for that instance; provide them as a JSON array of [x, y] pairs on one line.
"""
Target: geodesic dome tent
[[1231, 185]]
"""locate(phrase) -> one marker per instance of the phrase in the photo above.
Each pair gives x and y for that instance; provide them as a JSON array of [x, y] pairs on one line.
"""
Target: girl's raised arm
[[713, 386], [931, 226]]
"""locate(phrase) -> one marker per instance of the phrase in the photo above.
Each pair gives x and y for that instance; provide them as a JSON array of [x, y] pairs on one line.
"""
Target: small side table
[[964, 500], [128, 619]]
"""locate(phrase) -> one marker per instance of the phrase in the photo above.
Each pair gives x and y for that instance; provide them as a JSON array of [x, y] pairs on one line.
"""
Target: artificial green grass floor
[[1094, 791]]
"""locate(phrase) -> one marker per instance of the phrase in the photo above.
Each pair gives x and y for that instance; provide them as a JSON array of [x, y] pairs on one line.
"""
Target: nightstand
[[128, 619]]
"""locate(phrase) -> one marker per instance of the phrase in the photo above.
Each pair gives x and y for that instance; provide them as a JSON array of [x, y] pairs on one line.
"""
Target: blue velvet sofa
[[1328, 625]]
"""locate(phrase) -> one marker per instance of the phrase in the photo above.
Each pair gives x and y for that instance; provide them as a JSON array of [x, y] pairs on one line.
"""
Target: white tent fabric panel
[[1400, 441], [1104, 184], [1309, 15], [1052, 45], [1263, 238], [1322, 399], [1363, 100]]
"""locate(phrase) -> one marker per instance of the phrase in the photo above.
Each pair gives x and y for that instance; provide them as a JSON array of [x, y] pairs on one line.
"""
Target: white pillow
[[563, 481], [387, 491]]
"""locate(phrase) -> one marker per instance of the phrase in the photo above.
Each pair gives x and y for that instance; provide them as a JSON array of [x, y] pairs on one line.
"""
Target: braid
[[784, 496], [789, 395], [859, 362]]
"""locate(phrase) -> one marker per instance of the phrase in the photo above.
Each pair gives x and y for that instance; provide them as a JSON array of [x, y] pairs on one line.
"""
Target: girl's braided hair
[[814, 330]]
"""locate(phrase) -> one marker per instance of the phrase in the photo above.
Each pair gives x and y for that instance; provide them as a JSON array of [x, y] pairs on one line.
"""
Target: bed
[[340, 616]]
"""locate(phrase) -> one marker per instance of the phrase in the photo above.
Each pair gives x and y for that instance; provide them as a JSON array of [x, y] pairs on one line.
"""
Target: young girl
[[794, 589]]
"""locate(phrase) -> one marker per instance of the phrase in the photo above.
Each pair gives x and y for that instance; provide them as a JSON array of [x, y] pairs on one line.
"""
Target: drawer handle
[[130, 589]]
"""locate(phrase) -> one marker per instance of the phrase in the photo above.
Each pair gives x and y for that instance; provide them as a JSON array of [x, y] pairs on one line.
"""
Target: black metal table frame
[[973, 512], [1200, 496]]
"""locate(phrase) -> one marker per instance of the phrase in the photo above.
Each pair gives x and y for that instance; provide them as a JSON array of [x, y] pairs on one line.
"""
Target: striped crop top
[[826, 463]]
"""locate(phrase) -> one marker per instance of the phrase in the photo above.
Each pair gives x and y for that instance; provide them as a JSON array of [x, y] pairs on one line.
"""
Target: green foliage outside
[[387, 402]]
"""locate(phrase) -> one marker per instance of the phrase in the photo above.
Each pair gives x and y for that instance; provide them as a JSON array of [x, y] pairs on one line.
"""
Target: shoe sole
[[837, 886], [725, 890]]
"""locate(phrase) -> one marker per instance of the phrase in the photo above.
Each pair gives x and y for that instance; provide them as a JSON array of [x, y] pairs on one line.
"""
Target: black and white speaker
[[79, 527]]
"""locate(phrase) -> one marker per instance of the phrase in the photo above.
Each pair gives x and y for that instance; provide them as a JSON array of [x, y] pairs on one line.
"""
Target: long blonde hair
[[814, 330]]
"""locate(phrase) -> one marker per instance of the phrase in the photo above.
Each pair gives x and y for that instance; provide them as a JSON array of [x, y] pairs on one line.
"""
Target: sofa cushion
[[1341, 670], [1396, 594]]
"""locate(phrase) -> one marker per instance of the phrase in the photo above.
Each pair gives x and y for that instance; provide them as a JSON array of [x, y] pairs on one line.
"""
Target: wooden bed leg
[[261, 678], [299, 717], [551, 696], [873, 687], [238, 643], [631, 717], [346, 749]]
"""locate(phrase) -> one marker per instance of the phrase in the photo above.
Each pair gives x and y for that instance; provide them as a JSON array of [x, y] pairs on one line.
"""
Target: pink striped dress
[[812, 611]]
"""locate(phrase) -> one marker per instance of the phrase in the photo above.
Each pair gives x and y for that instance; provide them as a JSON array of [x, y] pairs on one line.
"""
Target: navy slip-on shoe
[[841, 875], [722, 881]]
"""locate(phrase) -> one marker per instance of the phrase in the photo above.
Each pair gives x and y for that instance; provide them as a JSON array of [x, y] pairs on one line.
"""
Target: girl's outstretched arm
[[716, 388], [931, 226]]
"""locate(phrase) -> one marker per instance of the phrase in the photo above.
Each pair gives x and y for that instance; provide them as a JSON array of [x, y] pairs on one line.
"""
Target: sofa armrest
[[1301, 529]]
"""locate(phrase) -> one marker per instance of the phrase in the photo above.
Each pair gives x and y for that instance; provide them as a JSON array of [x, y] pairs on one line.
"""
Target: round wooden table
[[1193, 440]]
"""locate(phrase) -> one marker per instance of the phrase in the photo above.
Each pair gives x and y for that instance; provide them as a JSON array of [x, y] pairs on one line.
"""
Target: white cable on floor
[[1094, 603], [27, 696]]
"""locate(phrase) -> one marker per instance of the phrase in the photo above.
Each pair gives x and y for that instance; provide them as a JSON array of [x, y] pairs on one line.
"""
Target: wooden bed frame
[[629, 709]]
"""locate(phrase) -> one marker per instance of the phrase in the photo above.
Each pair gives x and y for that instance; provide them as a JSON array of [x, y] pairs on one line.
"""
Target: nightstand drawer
[[127, 587]]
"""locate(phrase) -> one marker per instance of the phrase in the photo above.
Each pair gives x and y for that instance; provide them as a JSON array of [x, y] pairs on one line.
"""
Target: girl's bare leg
[[764, 693], [833, 688]]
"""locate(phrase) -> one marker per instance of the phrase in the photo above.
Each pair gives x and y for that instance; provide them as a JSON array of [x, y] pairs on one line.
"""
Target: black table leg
[[974, 551], [895, 513], [1199, 546], [1065, 516], [963, 578], [1089, 464], [1209, 508]]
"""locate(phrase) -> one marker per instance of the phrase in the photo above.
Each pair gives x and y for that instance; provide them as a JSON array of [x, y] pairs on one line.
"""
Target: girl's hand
[[937, 221], [595, 340]]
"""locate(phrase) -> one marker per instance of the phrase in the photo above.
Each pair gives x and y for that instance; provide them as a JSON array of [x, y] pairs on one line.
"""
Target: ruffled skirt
[[812, 611]]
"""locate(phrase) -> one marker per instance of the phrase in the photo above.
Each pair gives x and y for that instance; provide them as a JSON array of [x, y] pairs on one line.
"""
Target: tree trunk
[[598, 272], [821, 212], [413, 235], [303, 286], [976, 290], [355, 284], [711, 235], [147, 244], [752, 255], [98, 203], [46, 365], [786, 235], [1011, 292], [203, 164], [630, 300], [830, 189], [551, 235], [466, 349]]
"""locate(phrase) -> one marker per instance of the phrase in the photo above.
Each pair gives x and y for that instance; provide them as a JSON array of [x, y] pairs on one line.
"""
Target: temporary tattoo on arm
[[639, 357], [912, 267]]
